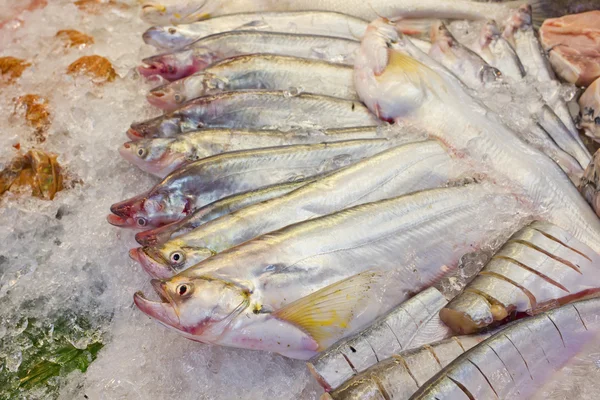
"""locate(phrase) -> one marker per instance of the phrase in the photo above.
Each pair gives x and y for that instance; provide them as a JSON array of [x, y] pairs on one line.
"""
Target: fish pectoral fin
[[327, 313]]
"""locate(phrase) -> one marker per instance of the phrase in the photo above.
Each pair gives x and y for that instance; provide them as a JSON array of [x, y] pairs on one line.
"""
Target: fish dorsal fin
[[327, 313]]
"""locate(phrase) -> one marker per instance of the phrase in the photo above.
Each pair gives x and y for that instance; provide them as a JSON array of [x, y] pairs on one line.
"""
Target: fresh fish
[[522, 360], [539, 268], [498, 52], [264, 294], [204, 181], [590, 183], [214, 48], [401, 375], [408, 326], [519, 31], [296, 22], [400, 83], [214, 210], [257, 110], [169, 12], [259, 71], [161, 156], [478, 75], [589, 114], [395, 172]]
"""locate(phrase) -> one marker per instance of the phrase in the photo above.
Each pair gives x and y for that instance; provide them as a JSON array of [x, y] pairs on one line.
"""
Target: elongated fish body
[[211, 49], [296, 22], [478, 75], [184, 12], [400, 376], [215, 210], [524, 38], [204, 181], [540, 267], [257, 110], [408, 326], [259, 71], [498, 52], [395, 172], [284, 266], [411, 87], [521, 360], [161, 156]]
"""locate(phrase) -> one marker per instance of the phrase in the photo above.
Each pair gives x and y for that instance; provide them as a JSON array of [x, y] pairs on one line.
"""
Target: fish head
[[489, 32], [149, 210], [172, 95], [171, 257], [440, 33], [169, 96], [589, 114], [171, 66], [165, 126], [179, 12], [166, 37], [156, 156], [201, 307]]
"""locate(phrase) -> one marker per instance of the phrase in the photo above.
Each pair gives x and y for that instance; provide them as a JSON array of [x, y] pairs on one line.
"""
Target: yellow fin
[[327, 313]]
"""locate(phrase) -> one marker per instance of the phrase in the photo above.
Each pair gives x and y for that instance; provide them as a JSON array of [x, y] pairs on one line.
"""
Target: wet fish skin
[[539, 268], [215, 210], [210, 179], [303, 22], [206, 51], [520, 360], [498, 52], [407, 86], [324, 250], [409, 325], [589, 114], [258, 71], [162, 156], [392, 173], [257, 110]]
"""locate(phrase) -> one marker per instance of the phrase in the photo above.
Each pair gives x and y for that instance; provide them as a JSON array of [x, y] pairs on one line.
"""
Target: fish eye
[[170, 69], [141, 221], [185, 289], [172, 31], [142, 152], [178, 98], [176, 257]]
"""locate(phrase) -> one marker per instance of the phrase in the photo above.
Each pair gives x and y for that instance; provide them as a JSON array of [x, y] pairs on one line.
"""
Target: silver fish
[[392, 173], [401, 375], [214, 210], [498, 52], [259, 71], [408, 326], [161, 156], [539, 268], [295, 22], [278, 295], [521, 360], [214, 48], [257, 110], [210, 179]]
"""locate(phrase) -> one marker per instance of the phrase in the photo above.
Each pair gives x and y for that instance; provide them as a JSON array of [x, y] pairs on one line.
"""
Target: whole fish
[[478, 75], [296, 22], [408, 326], [392, 173], [257, 110], [401, 375], [278, 292], [590, 183], [161, 156], [519, 31], [204, 181], [539, 268], [214, 48], [589, 114], [214, 210], [258, 71], [522, 360], [498, 52], [400, 83], [169, 12]]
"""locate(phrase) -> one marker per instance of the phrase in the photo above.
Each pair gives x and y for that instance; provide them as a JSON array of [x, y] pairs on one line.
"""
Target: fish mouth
[[152, 262], [163, 310], [121, 222], [134, 135], [150, 69]]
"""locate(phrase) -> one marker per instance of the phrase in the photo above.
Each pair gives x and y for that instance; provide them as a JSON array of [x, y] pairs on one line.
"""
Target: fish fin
[[326, 314], [540, 9]]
